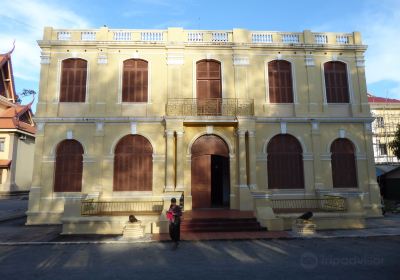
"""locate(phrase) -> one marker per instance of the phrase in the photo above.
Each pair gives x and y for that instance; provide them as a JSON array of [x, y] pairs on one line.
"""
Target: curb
[[38, 243]]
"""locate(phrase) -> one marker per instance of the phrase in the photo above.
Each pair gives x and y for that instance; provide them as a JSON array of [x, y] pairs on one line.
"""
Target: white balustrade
[[64, 35], [122, 36], [261, 38], [342, 39], [195, 37], [88, 36], [290, 38], [152, 36], [219, 37], [321, 38]]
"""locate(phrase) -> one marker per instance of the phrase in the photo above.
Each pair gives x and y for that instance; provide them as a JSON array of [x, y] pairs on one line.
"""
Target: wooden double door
[[210, 173]]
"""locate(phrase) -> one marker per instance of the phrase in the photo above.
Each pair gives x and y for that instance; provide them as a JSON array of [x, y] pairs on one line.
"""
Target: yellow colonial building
[[274, 123]]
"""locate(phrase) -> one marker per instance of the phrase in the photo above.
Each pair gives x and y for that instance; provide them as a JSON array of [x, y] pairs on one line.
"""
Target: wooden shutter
[[68, 167], [344, 173], [135, 81], [280, 81], [73, 80], [209, 90], [208, 79], [133, 164], [336, 83], [285, 163]]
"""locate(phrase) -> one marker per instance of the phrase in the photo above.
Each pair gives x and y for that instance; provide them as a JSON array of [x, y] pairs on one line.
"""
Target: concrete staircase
[[220, 221]]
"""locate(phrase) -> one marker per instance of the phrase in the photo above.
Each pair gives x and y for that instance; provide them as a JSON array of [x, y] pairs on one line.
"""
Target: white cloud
[[23, 21], [381, 33]]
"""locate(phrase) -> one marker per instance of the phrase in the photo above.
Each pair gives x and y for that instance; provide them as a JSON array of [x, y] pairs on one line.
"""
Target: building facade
[[386, 112], [17, 135], [233, 119]]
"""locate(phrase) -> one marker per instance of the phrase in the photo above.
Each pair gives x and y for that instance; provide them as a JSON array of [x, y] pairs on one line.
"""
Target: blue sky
[[378, 20]]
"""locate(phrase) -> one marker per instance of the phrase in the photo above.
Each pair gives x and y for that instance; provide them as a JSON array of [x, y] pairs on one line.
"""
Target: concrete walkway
[[14, 232]]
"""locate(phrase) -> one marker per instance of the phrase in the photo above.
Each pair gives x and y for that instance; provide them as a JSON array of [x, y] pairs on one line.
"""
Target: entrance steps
[[219, 221]]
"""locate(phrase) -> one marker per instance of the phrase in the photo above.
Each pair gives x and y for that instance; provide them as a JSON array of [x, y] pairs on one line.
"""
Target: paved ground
[[15, 231], [13, 207], [349, 258]]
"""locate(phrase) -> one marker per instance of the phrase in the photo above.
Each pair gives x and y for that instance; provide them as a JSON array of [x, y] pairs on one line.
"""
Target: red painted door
[[201, 181]]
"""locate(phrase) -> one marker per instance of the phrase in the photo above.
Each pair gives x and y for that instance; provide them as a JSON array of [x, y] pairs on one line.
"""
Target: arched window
[[209, 90], [344, 173], [336, 84], [285, 163], [68, 167], [280, 81], [208, 75], [135, 81], [133, 164], [73, 80]]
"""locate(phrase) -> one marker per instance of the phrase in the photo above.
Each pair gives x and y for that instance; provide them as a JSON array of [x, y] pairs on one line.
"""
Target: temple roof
[[18, 117]]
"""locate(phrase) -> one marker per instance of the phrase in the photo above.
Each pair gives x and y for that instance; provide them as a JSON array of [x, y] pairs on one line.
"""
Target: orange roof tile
[[9, 119], [5, 163]]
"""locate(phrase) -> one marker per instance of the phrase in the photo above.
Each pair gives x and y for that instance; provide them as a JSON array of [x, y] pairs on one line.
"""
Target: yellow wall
[[102, 120]]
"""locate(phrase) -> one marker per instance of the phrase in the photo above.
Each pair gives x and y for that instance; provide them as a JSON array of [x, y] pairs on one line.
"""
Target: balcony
[[203, 37], [209, 107]]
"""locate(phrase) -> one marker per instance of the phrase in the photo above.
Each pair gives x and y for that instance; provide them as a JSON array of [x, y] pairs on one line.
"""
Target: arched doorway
[[210, 172]]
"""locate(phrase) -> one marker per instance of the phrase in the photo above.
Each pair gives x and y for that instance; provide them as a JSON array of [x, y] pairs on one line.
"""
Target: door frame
[[225, 154]]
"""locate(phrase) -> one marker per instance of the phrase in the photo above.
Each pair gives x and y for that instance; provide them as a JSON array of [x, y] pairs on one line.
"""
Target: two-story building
[[245, 120]]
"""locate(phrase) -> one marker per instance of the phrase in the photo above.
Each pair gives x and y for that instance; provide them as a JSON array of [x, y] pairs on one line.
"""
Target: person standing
[[174, 216]]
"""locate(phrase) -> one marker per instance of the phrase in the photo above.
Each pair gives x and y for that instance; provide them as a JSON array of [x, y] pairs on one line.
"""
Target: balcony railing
[[120, 208], [326, 204], [209, 107], [200, 37]]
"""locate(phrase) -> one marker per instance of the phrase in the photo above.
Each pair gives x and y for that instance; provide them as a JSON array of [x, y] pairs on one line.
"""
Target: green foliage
[[25, 92], [395, 144]]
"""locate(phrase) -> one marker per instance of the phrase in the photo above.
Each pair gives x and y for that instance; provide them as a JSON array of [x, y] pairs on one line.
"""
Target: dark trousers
[[175, 231]]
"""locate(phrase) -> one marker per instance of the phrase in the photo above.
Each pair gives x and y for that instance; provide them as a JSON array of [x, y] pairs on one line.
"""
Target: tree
[[25, 92], [395, 144]]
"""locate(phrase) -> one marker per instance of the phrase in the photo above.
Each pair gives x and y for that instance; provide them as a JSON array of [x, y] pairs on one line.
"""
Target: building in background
[[17, 135], [386, 112], [268, 122]]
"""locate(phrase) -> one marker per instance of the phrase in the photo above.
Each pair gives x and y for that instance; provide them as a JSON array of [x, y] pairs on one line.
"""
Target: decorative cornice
[[45, 58], [102, 58], [175, 59], [239, 60]]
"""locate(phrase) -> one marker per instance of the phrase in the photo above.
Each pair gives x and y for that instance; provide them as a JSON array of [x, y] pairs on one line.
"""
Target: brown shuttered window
[[280, 81], [73, 80], [133, 164], [69, 166], [344, 173], [336, 84], [135, 81], [285, 163], [208, 75]]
